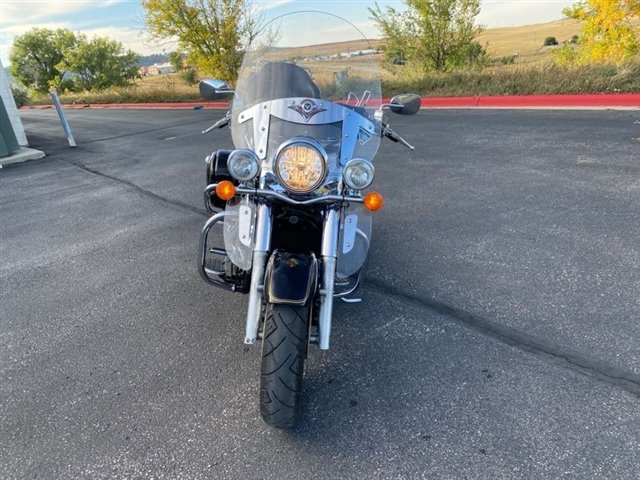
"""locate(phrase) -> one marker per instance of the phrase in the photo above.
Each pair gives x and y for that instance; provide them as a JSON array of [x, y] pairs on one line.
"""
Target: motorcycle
[[306, 120]]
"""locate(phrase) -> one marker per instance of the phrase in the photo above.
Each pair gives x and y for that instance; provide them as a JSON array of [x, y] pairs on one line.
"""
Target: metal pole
[[63, 120]]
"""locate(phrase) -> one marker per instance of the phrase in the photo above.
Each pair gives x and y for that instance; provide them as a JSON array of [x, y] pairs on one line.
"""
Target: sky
[[123, 20]]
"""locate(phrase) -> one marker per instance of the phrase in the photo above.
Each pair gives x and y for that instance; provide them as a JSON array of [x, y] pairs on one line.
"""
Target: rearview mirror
[[211, 89], [405, 104]]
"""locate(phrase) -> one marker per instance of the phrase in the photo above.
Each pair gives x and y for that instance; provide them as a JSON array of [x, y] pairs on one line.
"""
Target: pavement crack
[[596, 369], [140, 132], [593, 368], [139, 189]]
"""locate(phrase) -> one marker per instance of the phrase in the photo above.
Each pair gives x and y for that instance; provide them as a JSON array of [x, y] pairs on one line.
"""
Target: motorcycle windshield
[[309, 74]]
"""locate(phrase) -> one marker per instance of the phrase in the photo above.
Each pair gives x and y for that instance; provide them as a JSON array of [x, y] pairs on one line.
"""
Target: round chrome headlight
[[301, 165], [358, 173], [243, 164]]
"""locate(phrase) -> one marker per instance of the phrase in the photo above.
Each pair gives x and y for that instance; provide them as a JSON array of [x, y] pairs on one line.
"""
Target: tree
[[436, 34], [609, 34], [189, 76], [175, 59], [100, 63], [211, 32], [36, 55]]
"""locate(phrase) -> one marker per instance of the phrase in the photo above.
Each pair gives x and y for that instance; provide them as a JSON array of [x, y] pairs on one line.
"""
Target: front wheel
[[284, 348]]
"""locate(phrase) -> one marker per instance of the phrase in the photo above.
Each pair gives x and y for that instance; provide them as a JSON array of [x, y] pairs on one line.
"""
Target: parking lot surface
[[498, 337]]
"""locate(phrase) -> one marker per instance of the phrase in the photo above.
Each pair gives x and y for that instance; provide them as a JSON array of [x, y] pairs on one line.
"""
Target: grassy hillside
[[527, 41], [329, 48], [533, 72]]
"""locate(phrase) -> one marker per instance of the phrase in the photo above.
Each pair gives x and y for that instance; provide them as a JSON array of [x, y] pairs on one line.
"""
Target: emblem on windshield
[[307, 108]]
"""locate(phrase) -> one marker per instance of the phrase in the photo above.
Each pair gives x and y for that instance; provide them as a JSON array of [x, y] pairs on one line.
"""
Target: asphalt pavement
[[498, 337]]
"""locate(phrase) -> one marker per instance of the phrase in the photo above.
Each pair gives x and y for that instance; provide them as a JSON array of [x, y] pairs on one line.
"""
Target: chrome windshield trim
[[354, 125]]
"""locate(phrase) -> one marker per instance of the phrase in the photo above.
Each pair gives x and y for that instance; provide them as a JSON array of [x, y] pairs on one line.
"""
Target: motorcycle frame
[[262, 249], [354, 125]]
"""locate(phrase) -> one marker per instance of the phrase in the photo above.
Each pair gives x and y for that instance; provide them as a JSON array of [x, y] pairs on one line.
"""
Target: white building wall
[[12, 110]]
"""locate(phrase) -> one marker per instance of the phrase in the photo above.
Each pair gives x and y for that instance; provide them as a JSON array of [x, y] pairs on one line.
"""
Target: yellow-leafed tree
[[211, 32], [610, 33]]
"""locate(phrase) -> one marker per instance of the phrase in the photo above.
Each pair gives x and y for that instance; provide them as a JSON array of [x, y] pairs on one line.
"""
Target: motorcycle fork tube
[[260, 252], [329, 257]]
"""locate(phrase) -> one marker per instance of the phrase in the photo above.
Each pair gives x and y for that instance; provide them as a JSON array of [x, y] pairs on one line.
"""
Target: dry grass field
[[533, 71], [527, 41], [169, 82]]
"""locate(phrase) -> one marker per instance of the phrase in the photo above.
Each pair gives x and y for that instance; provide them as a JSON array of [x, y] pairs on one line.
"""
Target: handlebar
[[386, 131], [223, 122], [394, 137]]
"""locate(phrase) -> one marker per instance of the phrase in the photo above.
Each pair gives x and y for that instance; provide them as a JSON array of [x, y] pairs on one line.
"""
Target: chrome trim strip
[[260, 252], [329, 258], [261, 192]]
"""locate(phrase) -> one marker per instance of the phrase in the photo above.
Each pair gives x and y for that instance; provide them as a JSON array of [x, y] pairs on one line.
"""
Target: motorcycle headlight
[[301, 165], [358, 173], [243, 165]]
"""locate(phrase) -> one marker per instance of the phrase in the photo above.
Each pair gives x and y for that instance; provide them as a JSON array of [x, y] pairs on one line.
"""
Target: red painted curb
[[533, 101], [528, 101]]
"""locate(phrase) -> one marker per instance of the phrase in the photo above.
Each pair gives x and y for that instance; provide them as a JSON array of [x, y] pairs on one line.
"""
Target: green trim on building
[[8, 142]]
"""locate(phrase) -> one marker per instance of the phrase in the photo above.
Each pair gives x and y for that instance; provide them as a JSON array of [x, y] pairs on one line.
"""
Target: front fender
[[291, 278]]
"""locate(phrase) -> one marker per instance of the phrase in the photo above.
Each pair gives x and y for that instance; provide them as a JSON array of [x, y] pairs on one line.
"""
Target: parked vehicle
[[306, 120]]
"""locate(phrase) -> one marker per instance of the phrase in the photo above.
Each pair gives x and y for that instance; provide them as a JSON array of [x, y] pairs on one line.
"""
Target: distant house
[[161, 69]]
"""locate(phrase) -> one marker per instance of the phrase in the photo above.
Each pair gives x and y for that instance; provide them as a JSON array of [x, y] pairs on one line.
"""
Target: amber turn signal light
[[373, 201], [225, 190]]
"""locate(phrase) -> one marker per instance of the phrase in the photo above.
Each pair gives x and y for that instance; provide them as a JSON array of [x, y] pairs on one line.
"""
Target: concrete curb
[[22, 155], [598, 101]]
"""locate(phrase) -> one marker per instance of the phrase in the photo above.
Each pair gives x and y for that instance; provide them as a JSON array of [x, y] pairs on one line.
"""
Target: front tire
[[284, 348]]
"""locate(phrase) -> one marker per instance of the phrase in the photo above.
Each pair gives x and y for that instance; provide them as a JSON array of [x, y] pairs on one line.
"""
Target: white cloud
[[131, 38], [18, 17], [14, 12], [271, 4], [499, 13]]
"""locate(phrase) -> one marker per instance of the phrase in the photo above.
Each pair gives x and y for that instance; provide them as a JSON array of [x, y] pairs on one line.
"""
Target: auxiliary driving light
[[243, 164], [358, 173]]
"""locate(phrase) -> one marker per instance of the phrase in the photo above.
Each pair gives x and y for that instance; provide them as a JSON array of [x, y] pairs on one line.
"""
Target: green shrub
[[20, 95], [508, 60], [550, 41], [189, 76]]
